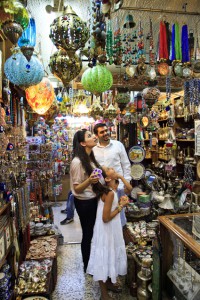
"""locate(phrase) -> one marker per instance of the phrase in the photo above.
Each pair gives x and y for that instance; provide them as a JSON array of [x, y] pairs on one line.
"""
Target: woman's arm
[[79, 188]]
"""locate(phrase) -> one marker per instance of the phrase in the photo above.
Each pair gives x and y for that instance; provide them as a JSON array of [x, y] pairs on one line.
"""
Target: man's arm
[[125, 163]]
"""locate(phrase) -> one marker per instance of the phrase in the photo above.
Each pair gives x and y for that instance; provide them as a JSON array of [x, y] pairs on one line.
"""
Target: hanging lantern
[[28, 40], [65, 67], [97, 79], [110, 112], [12, 31], [96, 110], [15, 11], [68, 31], [40, 96], [22, 72], [150, 95]]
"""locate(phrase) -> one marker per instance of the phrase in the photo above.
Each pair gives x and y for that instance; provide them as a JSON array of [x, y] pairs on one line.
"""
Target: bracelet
[[119, 207]]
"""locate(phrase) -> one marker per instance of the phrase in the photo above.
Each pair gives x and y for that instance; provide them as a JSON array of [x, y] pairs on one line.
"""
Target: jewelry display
[[33, 277]]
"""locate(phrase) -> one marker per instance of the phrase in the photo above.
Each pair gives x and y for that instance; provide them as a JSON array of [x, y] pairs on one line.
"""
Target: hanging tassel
[[173, 52], [185, 44], [163, 51], [177, 43]]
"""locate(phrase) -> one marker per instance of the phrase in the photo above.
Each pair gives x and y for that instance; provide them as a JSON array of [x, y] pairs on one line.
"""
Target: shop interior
[[67, 65]]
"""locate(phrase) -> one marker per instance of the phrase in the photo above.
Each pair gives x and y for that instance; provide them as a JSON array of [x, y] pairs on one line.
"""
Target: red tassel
[[163, 51]]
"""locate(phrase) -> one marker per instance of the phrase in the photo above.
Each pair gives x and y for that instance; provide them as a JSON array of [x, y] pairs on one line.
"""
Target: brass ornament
[[12, 31], [68, 31], [64, 66]]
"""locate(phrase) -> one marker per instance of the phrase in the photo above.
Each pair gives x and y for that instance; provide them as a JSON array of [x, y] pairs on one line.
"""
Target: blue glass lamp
[[22, 72]]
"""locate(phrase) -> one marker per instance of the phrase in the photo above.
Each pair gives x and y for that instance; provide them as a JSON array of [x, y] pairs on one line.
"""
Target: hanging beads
[[109, 42], [117, 45], [168, 87]]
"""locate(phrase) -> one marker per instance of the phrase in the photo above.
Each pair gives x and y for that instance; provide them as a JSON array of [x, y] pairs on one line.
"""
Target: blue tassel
[[173, 52], [185, 44]]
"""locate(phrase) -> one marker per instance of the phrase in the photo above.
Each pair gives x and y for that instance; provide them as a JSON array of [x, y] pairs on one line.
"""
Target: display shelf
[[178, 242], [3, 260], [185, 237], [185, 140], [163, 120]]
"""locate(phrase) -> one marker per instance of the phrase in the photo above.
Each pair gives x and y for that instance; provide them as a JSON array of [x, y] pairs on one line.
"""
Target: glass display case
[[180, 256]]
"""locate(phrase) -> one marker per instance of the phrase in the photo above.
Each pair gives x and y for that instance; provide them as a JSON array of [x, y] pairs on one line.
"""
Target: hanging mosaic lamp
[[12, 31], [68, 31], [150, 95], [40, 96], [110, 112], [96, 110], [28, 40], [22, 72], [65, 67], [97, 79], [15, 20]]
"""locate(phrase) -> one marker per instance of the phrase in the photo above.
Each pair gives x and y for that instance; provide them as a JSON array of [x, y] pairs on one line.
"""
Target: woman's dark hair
[[86, 160]]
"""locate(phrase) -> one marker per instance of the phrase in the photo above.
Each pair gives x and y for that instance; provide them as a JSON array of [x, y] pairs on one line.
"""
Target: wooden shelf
[[165, 159], [3, 260], [179, 117], [185, 140], [163, 120]]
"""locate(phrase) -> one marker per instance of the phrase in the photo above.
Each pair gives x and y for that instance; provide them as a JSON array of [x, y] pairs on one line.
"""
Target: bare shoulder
[[108, 197]]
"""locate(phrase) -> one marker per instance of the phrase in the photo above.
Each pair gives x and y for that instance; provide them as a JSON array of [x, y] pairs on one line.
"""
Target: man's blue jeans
[[70, 206]]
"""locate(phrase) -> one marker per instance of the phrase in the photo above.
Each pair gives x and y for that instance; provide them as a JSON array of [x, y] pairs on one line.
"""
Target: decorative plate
[[178, 69], [134, 192], [163, 69], [187, 72], [137, 171], [136, 154]]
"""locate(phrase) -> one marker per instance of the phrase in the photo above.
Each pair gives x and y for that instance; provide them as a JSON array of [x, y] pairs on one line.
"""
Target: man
[[69, 210], [112, 153]]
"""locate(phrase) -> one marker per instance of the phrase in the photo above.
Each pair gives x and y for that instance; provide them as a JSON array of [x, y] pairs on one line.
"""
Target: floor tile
[[71, 232], [73, 284]]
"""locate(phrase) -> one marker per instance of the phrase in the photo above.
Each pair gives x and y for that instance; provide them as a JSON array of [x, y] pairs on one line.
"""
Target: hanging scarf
[[173, 53], [163, 49], [185, 44], [177, 43]]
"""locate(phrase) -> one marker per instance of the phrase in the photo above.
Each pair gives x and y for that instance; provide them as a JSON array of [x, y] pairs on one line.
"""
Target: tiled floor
[[72, 283], [72, 231]]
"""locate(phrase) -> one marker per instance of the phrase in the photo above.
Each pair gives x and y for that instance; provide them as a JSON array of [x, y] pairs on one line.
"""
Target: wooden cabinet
[[180, 256]]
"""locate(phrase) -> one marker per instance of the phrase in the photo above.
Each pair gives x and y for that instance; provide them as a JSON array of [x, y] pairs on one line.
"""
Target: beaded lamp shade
[[22, 72], [97, 79], [40, 96], [150, 95], [68, 31], [65, 67]]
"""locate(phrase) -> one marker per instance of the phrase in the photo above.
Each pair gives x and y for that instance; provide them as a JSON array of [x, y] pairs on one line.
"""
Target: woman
[[85, 186]]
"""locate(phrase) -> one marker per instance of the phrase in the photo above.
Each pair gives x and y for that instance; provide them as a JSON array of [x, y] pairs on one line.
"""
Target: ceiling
[[43, 19]]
